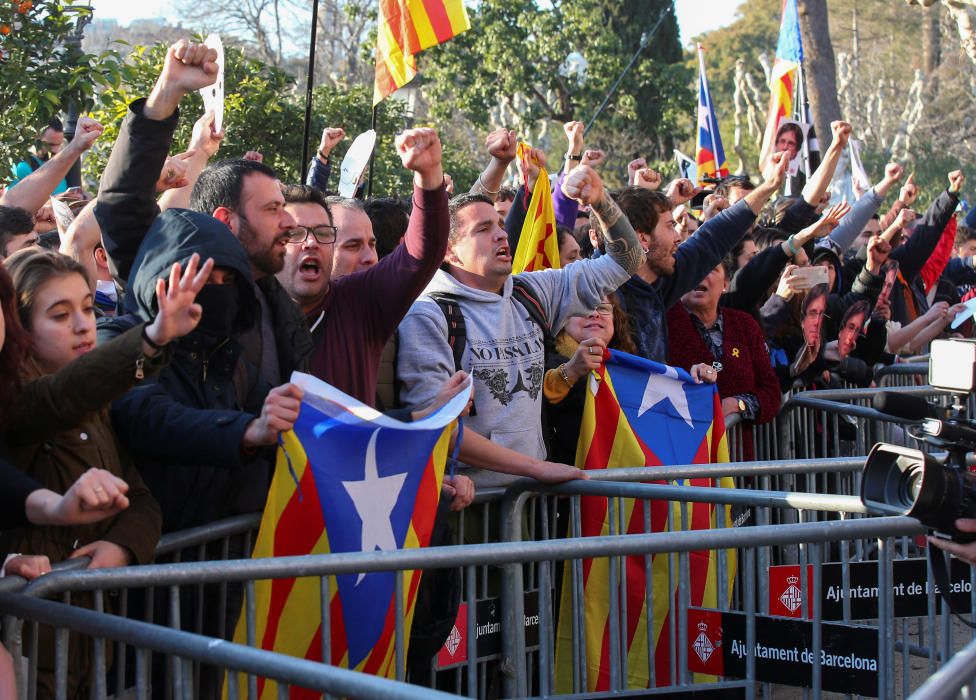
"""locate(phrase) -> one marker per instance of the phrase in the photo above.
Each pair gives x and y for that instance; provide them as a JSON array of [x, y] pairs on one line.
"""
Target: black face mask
[[219, 302]]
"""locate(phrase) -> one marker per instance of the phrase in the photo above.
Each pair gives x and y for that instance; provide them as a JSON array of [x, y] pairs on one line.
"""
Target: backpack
[[457, 336], [387, 395]]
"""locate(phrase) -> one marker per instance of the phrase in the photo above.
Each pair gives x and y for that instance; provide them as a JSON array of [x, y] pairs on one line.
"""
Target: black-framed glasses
[[324, 234]]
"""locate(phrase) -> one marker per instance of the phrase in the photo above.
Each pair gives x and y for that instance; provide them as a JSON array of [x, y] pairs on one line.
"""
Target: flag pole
[[308, 89], [645, 40], [372, 155]]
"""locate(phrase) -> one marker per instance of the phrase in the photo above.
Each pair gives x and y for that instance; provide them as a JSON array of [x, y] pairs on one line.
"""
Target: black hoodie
[[184, 430]]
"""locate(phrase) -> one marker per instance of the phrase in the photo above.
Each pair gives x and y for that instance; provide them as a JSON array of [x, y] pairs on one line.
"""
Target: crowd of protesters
[[147, 336]]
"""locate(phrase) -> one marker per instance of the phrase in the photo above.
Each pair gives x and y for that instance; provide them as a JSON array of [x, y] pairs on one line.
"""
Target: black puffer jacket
[[184, 430]]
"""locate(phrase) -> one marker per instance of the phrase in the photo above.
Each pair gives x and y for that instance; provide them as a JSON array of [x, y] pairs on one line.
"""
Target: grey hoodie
[[504, 350]]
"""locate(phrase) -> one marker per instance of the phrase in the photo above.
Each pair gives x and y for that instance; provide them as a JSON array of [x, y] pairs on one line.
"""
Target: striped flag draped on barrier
[[538, 246], [407, 27], [638, 412], [347, 479]]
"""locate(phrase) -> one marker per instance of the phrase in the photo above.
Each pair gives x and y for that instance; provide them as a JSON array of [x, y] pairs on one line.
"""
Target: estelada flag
[[347, 479], [538, 245], [709, 153], [783, 77], [404, 29], [641, 413]]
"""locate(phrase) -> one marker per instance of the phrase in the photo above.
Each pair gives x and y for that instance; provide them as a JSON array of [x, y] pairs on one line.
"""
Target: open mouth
[[310, 269], [82, 348], [503, 253]]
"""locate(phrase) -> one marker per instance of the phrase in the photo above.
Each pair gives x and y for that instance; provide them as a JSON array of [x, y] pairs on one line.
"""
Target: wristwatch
[[742, 406]]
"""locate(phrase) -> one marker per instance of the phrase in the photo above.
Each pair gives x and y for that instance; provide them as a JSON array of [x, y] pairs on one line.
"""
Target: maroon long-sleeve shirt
[[361, 311]]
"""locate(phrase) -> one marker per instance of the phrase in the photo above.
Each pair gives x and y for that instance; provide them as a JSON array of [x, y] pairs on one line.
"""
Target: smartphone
[[810, 277]]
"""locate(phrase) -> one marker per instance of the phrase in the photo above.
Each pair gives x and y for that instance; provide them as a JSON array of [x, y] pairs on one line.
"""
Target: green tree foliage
[[265, 111], [42, 70], [516, 54]]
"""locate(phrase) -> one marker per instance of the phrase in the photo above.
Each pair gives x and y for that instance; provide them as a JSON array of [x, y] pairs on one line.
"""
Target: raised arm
[[501, 145], [34, 190], [320, 167], [204, 144], [912, 255], [817, 184], [127, 196], [585, 186]]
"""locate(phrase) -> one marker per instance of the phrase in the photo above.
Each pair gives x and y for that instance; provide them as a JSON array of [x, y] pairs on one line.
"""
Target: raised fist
[[956, 181], [774, 173], [632, 168], [648, 178], [714, 205], [893, 172], [594, 157], [502, 144], [841, 132], [909, 191], [530, 165], [87, 132], [584, 185], [574, 137], [331, 135], [681, 191], [420, 151], [188, 67]]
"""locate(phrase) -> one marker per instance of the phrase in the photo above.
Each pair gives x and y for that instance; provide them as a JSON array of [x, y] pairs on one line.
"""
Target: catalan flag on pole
[[639, 412], [404, 29], [538, 246], [709, 154], [347, 479], [783, 77]]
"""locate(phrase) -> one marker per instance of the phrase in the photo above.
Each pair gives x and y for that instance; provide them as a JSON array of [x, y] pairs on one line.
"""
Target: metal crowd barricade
[[839, 422], [187, 648], [526, 670], [949, 681], [919, 634], [510, 557], [914, 373]]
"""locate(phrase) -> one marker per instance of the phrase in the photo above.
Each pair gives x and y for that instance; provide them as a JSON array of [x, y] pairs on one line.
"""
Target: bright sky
[[694, 16]]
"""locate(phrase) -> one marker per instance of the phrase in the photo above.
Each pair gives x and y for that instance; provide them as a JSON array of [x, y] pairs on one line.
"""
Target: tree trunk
[[819, 70], [931, 40]]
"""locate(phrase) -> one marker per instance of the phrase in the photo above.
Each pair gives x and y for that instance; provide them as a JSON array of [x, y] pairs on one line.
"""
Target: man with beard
[[244, 195], [668, 271]]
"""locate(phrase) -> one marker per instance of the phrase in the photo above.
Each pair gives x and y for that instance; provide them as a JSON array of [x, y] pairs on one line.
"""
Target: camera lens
[[911, 485]]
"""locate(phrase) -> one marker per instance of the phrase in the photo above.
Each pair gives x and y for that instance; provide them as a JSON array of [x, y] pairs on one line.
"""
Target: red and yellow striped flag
[[538, 245], [347, 479], [404, 29], [641, 413]]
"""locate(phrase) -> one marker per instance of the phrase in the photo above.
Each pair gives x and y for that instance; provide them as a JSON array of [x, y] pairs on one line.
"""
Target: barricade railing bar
[[285, 670], [495, 554], [948, 682], [173, 542]]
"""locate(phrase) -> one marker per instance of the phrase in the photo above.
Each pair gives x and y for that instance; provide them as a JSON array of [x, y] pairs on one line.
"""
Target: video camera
[[903, 481]]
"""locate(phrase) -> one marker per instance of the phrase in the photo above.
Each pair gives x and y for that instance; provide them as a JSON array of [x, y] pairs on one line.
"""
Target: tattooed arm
[[585, 186]]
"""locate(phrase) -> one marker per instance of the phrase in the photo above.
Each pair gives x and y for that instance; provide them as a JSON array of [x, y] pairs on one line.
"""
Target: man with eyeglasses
[[353, 303], [48, 144]]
